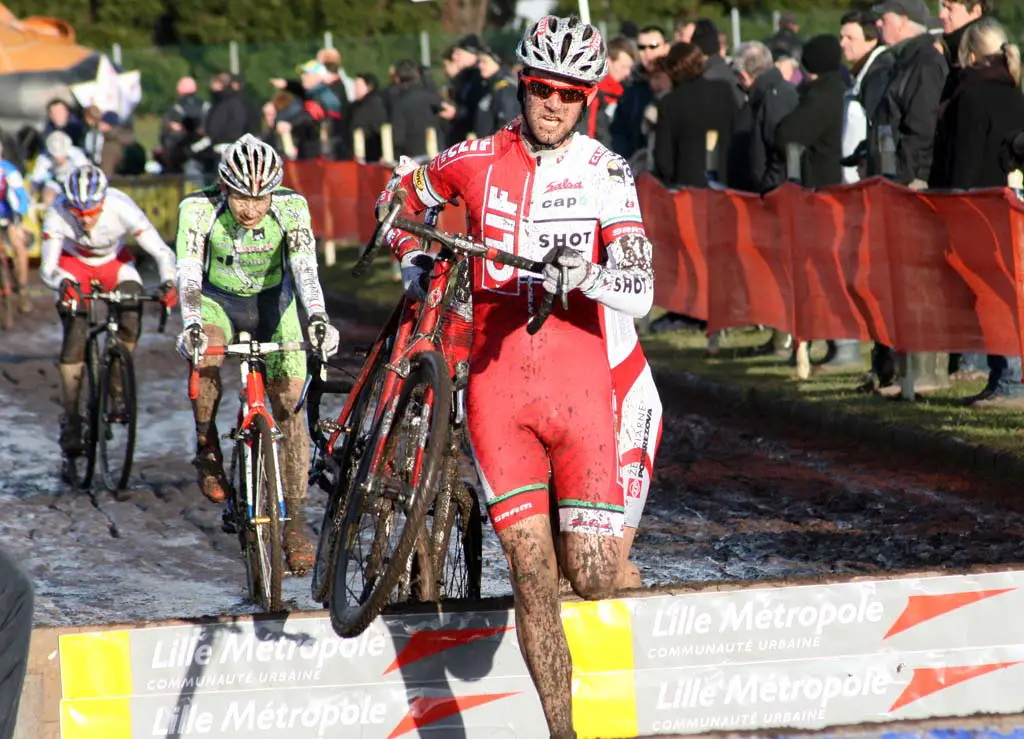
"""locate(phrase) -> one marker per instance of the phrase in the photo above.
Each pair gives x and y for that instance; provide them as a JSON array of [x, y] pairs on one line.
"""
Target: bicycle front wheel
[[116, 418], [78, 468], [396, 480], [265, 551], [357, 425]]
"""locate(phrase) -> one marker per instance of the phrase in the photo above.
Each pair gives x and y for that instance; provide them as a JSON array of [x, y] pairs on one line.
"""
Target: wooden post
[[387, 145], [359, 145], [431, 142], [711, 155]]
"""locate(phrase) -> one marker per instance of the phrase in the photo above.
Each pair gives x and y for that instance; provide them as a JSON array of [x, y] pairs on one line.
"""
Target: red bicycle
[[393, 452], [256, 509]]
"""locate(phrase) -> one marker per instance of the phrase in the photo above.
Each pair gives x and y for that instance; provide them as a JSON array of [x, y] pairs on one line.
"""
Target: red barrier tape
[[875, 260]]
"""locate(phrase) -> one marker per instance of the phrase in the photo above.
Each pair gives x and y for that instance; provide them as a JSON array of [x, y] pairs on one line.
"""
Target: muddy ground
[[752, 506]]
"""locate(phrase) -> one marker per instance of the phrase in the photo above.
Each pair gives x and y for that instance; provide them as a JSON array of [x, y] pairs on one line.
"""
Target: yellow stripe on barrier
[[95, 665], [96, 719], [604, 693]]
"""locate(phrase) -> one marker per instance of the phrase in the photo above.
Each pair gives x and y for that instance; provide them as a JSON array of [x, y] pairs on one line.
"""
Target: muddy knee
[[130, 314], [592, 564]]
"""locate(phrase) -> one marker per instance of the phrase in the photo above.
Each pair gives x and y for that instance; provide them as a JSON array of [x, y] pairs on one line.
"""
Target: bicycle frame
[[252, 403]]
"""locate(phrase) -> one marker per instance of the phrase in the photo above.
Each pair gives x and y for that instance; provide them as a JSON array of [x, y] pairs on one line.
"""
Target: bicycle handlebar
[[252, 349], [458, 243], [117, 296], [466, 245]]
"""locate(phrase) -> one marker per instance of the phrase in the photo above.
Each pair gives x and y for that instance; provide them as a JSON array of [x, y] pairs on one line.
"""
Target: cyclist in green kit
[[246, 251]]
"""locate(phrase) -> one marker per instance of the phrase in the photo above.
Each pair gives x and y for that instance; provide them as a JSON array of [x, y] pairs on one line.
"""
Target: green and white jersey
[[212, 247]]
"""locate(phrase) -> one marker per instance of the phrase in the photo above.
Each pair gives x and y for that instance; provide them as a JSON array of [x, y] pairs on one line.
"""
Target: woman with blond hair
[[985, 109]]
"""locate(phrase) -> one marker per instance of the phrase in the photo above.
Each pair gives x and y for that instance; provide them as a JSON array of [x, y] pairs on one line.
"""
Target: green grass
[[685, 352], [941, 411]]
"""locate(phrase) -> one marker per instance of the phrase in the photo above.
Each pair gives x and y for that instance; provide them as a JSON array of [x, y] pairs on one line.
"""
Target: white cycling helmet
[[58, 144], [567, 47], [251, 167]]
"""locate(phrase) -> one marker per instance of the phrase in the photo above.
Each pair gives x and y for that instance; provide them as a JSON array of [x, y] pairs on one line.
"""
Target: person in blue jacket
[[13, 207]]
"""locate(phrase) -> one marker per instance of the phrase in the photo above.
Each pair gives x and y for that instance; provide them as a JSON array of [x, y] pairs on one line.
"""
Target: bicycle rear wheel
[[264, 544], [456, 539], [8, 301], [357, 426], [78, 469], [412, 435], [116, 418]]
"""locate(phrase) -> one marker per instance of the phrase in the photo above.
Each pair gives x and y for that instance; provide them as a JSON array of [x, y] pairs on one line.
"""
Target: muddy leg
[[294, 457], [629, 575], [209, 460], [530, 550]]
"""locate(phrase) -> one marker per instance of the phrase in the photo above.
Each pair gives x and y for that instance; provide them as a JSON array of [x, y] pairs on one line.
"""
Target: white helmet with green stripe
[[251, 167]]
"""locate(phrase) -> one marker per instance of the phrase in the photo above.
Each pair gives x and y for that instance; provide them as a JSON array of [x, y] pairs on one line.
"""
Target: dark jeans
[[16, 599], [1004, 376]]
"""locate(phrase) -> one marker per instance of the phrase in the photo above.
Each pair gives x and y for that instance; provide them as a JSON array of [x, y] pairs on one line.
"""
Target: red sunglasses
[[567, 94], [88, 213]]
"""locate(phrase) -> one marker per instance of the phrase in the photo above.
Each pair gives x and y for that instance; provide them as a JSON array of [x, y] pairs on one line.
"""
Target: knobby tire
[[350, 618], [355, 442], [266, 550], [119, 360], [79, 469]]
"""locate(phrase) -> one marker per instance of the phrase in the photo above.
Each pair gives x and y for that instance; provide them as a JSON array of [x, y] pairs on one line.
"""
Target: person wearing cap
[[909, 112], [500, 104], [227, 120], [910, 103], [466, 89], [816, 123], [707, 39]]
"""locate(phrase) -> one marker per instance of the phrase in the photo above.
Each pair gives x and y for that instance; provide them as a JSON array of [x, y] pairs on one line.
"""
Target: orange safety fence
[[874, 260], [341, 197], [871, 261]]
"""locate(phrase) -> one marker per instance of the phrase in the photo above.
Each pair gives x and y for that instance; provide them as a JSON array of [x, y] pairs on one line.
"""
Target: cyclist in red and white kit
[[541, 409]]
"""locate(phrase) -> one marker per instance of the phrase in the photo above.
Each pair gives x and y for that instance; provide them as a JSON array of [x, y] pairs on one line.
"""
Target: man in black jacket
[[909, 106], [500, 103], [817, 122], [755, 165], [466, 89], [706, 38], [627, 123], [414, 110]]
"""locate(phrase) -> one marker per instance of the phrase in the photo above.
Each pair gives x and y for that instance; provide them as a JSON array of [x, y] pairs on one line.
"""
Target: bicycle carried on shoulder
[[395, 449], [256, 504], [107, 399]]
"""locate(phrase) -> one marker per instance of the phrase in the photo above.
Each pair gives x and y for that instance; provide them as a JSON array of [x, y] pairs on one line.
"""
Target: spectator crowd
[[932, 103]]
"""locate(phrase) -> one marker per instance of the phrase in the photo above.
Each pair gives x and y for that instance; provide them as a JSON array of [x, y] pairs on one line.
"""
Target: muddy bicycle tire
[[266, 561], [117, 359], [78, 470], [350, 618], [348, 464], [457, 519], [8, 299]]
